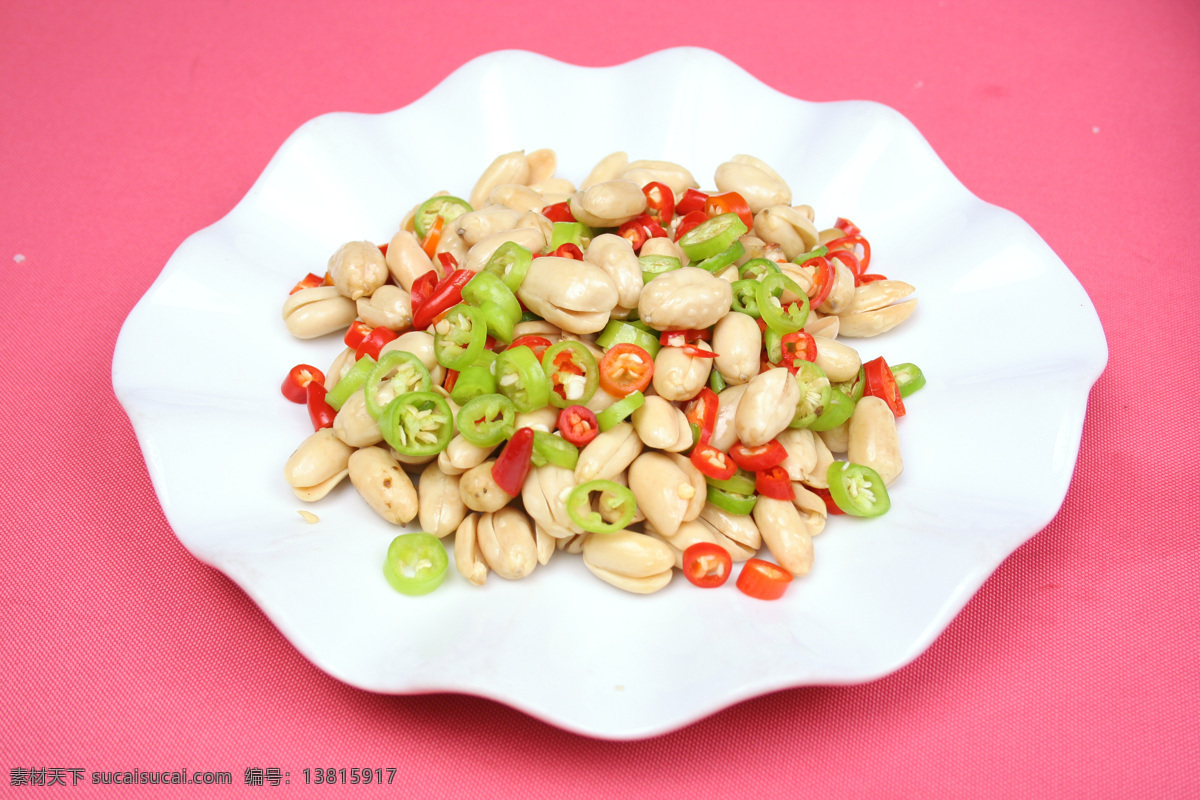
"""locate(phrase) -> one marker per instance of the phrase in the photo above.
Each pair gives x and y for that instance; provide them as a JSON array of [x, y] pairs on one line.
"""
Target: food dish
[[991, 452]]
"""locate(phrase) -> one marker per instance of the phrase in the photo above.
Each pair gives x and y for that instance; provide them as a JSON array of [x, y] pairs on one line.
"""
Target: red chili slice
[[578, 425], [357, 333], [433, 237], [729, 203], [847, 227], [707, 565], [450, 379], [446, 294], [374, 343], [640, 230], [422, 287], [828, 498], [878, 381], [512, 465], [712, 462], [849, 243], [688, 222], [449, 262], [823, 280], [798, 346], [680, 338], [763, 580], [309, 281], [625, 369], [760, 457], [319, 411], [774, 482], [569, 250], [660, 202], [870, 277], [559, 212], [692, 200], [538, 344], [701, 412], [295, 385], [383, 248], [696, 352]]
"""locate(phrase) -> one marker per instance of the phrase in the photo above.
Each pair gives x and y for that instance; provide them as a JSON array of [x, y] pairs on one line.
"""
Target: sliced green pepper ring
[[350, 383], [909, 378], [551, 449], [745, 297], [460, 337], [572, 371], [742, 482], [487, 420], [495, 300], [815, 389], [620, 500], [417, 424], [619, 410], [575, 233], [520, 378], [509, 263], [712, 236], [820, 251], [756, 269], [779, 319], [854, 387], [472, 382], [397, 372], [857, 489], [447, 207], [416, 563], [732, 502], [630, 332], [655, 265], [839, 409], [723, 259], [716, 382], [773, 344]]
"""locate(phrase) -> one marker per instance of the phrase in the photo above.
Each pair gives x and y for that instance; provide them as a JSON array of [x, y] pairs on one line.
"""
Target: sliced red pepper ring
[[422, 287], [763, 580], [795, 347], [356, 334], [559, 212], [692, 200], [760, 457], [849, 243], [512, 466], [660, 202], [729, 203], [701, 413], [847, 227], [538, 344], [640, 230], [309, 281], [689, 222], [569, 250], [373, 344], [870, 277], [578, 425], [824, 494], [296, 383], [774, 482], [712, 462], [878, 381], [707, 565], [446, 294], [624, 369], [695, 352], [319, 412], [680, 338], [449, 262], [823, 280]]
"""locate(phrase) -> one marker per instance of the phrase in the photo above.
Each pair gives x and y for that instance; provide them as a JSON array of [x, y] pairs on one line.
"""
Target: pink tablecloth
[[124, 127]]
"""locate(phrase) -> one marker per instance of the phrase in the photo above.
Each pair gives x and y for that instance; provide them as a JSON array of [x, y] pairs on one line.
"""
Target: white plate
[[1007, 337]]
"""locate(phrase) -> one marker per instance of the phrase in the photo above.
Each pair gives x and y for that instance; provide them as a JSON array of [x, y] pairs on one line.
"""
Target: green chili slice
[[487, 420], [460, 337], [416, 563], [757, 268], [815, 389], [742, 482], [732, 502], [472, 382], [853, 388], [551, 449], [575, 233], [509, 263], [397, 372], [723, 259], [773, 344], [655, 265], [572, 371], [820, 251], [350, 383], [520, 378], [632, 332], [838, 409], [417, 424], [857, 489], [447, 207], [779, 319], [495, 300], [712, 236], [745, 297], [620, 500], [619, 410], [716, 382], [909, 378]]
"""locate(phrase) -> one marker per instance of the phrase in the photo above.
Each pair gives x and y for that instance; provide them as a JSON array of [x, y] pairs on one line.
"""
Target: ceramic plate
[[989, 445]]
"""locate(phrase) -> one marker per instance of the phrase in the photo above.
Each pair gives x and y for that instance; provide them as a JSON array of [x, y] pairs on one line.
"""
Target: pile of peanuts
[[453, 493]]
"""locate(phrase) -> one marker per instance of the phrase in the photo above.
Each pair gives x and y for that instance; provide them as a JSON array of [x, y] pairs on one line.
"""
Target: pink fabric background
[[124, 127]]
